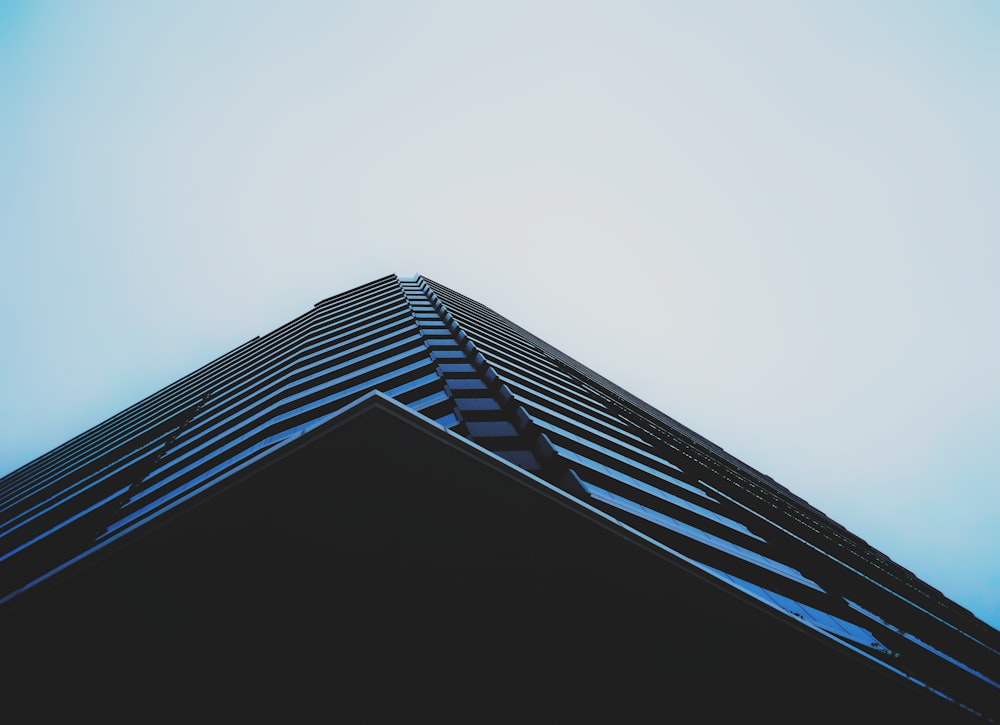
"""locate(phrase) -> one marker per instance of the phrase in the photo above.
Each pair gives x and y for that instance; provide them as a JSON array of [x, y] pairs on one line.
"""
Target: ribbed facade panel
[[489, 381]]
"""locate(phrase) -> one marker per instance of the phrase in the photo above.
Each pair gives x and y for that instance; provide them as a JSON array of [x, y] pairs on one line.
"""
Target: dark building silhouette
[[403, 507]]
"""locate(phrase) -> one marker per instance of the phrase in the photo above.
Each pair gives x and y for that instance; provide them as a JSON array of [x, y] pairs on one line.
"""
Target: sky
[[775, 221]]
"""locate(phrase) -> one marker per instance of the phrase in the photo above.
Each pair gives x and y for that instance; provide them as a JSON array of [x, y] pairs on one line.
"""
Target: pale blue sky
[[775, 221]]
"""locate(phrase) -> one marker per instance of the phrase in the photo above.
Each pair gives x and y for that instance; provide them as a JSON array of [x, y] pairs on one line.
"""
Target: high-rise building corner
[[403, 506]]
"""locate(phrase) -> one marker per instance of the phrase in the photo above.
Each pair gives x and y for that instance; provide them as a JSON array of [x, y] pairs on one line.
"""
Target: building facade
[[402, 503]]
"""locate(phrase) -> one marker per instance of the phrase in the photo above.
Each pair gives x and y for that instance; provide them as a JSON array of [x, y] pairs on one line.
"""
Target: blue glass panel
[[57, 497], [237, 458], [522, 383], [521, 459], [491, 429], [110, 498], [697, 534], [264, 419], [36, 515], [413, 385], [438, 397], [466, 384], [531, 400], [456, 368], [477, 404], [920, 642], [818, 618], [566, 387], [293, 377], [653, 490], [619, 457], [448, 421]]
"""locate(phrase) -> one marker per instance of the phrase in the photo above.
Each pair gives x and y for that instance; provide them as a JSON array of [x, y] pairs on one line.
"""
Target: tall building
[[403, 505]]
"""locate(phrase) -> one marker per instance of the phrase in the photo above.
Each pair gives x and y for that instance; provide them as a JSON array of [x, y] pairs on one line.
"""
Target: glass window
[[521, 459], [447, 368], [697, 534], [491, 429], [653, 490], [477, 404], [632, 462], [448, 354], [430, 400], [448, 421], [459, 384]]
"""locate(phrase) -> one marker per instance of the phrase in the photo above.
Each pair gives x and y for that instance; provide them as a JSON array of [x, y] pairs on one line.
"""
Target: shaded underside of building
[[403, 505]]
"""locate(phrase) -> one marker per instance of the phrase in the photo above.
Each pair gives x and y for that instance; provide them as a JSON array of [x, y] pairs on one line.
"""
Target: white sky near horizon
[[775, 221]]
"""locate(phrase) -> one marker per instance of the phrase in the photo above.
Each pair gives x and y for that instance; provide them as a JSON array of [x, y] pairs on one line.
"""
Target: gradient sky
[[776, 221]]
